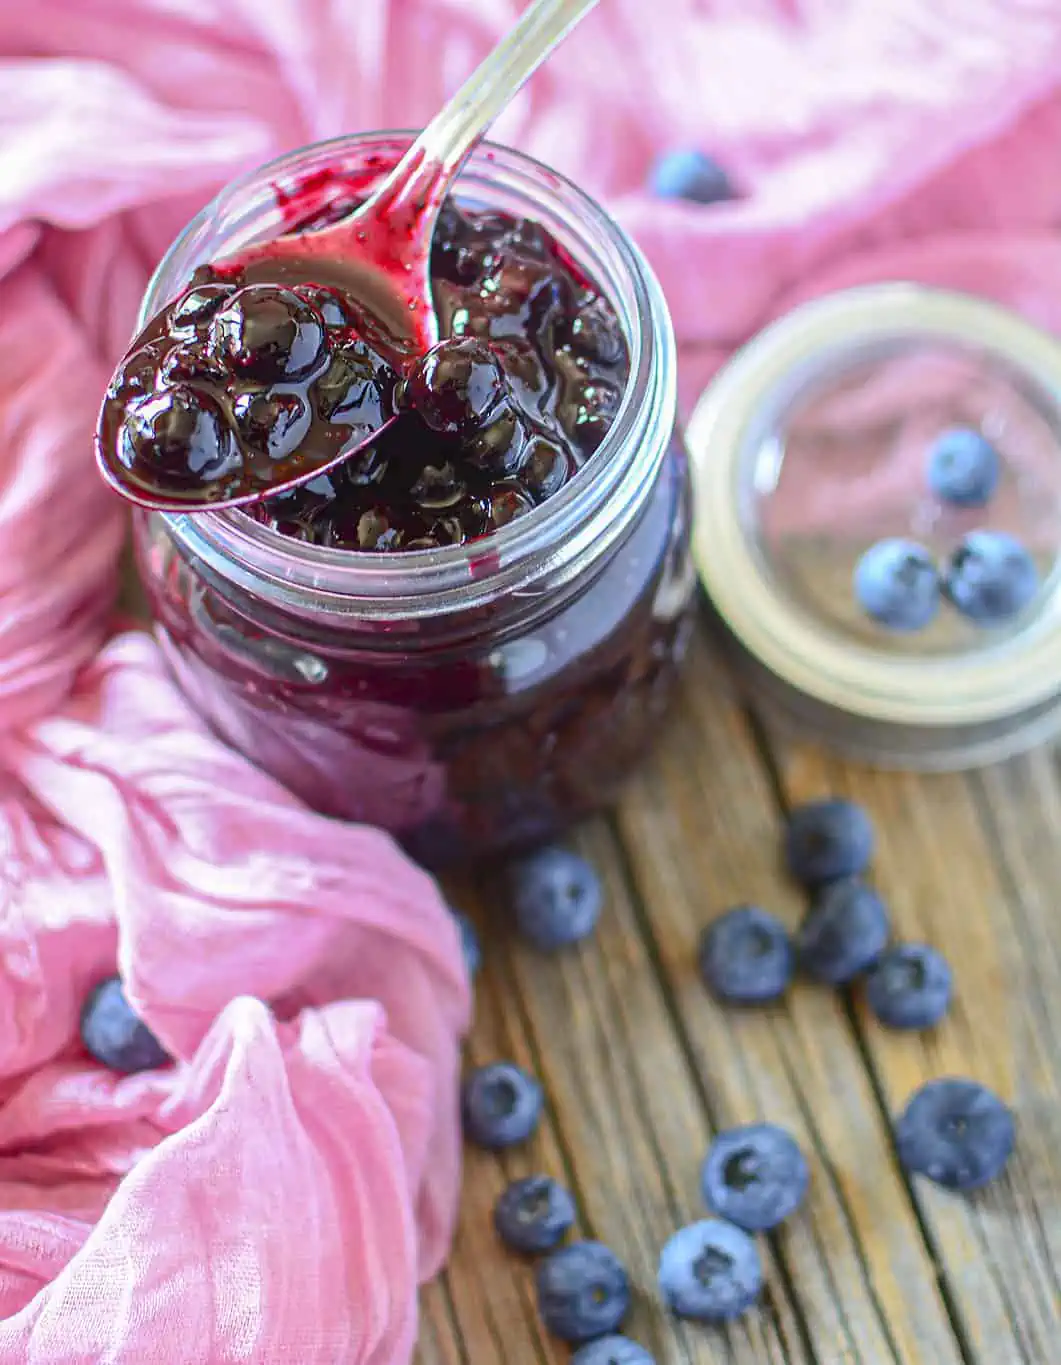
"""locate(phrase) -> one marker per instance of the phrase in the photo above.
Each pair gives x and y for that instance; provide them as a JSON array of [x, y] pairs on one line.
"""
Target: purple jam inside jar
[[468, 633]]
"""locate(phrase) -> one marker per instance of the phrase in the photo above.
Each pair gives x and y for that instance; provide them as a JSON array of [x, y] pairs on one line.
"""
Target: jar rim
[[574, 524]]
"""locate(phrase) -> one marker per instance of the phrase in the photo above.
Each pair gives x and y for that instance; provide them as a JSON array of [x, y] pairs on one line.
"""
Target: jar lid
[[811, 446]]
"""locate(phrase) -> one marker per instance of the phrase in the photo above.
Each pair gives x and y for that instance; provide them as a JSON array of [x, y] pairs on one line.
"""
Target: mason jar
[[474, 699]]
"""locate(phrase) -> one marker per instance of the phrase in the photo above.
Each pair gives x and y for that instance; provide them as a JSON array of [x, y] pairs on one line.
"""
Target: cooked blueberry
[[826, 840], [910, 986], [473, 953], [507, 502], [191, 363], [990, 577], [114, 1035], [963, 468], [456, 386], [595, 333], [274, 423], [612, 1350], [269, 334], [329, 304], [746, 956], [955, 1132], [583, 1292], [592, 413], [501, 1105], [710, 1271], [438, 487], [179, 436], [690, 174], [532, 1215], [845, 931], [499, 446], [135, 376], [545, 468], [754, 1176], [557, 898], [196, 307], [355, 389], [897, 584]]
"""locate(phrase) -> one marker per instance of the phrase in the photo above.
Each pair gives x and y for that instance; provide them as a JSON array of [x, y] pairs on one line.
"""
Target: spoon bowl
[[176, 451]]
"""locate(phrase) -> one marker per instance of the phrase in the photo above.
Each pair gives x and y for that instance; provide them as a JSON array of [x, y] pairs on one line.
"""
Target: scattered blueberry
[[746, 956], [710, 1271], [470, 946], [845, 930], [501, 1105], [557, 897], [990, 577], [533, 1214], [955, 1132], [910, 986], [897, 583], [612, 1351], [689, 174], [583, 1292], [828, 840], [963, 468], [754, 1176], [113, 1033]]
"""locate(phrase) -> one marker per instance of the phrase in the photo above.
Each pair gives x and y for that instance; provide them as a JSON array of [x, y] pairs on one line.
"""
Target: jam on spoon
[[242, 387]]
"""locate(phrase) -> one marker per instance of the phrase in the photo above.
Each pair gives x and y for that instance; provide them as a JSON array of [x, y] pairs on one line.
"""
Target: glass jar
[[473, 699]]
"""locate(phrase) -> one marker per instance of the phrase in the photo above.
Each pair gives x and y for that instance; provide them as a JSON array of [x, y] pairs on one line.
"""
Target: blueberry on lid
[[896, 583], [990, 577], [963, 468]]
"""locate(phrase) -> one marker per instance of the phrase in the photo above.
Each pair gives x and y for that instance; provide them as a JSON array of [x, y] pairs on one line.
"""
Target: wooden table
[[641, 1066]]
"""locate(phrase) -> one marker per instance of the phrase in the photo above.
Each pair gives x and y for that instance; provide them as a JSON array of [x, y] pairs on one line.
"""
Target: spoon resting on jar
[[283, 362]]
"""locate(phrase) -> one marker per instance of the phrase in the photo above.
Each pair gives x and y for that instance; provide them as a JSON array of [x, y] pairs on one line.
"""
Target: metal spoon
[[382, 250]]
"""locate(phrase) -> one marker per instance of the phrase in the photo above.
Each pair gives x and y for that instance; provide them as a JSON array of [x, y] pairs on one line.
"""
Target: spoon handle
[[457, 127]]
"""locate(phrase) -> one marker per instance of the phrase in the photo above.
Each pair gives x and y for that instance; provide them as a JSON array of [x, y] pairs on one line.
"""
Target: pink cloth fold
[[277, 1194]]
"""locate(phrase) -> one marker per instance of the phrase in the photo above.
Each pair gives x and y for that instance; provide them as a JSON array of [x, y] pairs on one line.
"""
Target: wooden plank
[[973, 866], [700, 827]]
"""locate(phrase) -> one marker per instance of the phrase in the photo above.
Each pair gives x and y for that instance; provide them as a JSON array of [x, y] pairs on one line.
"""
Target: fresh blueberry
[[910, 986], [746, 956], [897, 583], [844, 932], [583, 1292], [754, 1176], [963, 468], [955, 1132], [827, 840], [710, 1271], [990, 577], [501, 1105], [557, 897], [113, 1033], [470, 946], [612, 1350], [689, 174], [533, 1214]]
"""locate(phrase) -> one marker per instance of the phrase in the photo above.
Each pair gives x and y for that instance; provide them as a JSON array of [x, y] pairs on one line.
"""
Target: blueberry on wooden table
[[583, 1292], [826, 840], [955, 1132], [501, 1105], [710, 1271], [746, 956], [843, 933], [754, 1176], [612, 1350], [532, 1215], [557, 898], [910, 986]]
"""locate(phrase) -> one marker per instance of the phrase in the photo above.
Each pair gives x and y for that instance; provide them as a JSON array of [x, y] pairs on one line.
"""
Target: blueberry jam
[[483, 707], [494, 419]]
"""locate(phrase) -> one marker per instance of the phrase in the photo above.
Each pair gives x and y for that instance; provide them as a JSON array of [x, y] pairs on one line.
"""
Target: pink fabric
[[276, 1196]]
